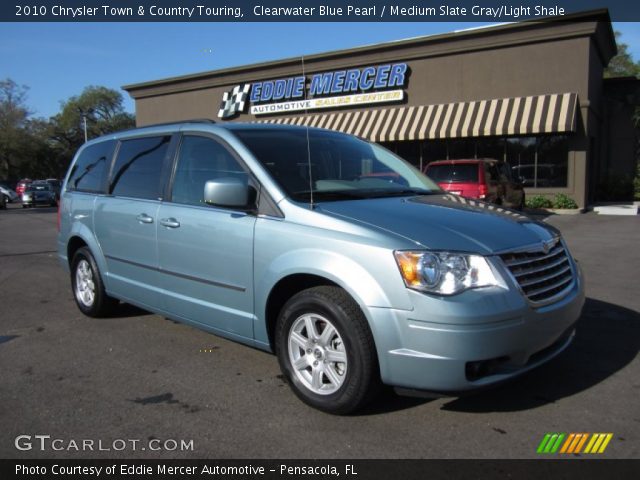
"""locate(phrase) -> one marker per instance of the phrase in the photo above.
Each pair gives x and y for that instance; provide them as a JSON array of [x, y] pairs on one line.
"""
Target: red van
[[22, 186], [486, 179]]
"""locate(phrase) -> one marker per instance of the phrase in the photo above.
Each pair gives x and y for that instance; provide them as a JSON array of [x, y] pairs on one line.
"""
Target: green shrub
[[538, 201], [564, 201]]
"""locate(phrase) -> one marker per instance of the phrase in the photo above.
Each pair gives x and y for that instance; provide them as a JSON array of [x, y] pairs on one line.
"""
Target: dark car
[[39, 193], [486, 179], [56, 185]]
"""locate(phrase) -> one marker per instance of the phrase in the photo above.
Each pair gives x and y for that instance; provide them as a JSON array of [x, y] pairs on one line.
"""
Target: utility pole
[[83, 114]]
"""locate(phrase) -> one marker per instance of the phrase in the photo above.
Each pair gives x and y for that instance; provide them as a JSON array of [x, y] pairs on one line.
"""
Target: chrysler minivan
[[343, 259]]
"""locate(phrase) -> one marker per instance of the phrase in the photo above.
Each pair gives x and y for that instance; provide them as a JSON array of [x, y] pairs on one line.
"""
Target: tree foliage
[[104, 113], [41, 148], [22, 146], [623, 64]]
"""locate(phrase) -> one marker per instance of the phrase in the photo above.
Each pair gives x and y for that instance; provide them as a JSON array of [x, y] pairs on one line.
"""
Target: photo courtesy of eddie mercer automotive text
[[343, 259]]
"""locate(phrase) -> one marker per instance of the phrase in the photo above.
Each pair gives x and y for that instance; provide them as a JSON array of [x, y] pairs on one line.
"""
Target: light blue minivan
[[332, 252]]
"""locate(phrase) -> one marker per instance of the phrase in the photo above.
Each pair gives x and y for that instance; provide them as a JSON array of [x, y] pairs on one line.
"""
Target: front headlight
[[445, 273]]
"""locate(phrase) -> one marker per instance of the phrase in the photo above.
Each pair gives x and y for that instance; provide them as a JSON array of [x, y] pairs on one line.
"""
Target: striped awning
[[553, 113]]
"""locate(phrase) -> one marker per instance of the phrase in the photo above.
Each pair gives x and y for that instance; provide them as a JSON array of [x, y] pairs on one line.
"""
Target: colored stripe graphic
[[574, 442], [550, 443], [598, 442]]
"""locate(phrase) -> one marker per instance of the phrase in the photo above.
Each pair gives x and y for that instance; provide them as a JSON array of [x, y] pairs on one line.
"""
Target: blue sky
[[57, 60]]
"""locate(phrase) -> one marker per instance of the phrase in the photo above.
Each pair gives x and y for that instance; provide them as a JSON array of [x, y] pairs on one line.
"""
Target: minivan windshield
[[343, 167]]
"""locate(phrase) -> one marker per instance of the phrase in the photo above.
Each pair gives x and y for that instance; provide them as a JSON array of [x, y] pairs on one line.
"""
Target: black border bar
[[539, 469]]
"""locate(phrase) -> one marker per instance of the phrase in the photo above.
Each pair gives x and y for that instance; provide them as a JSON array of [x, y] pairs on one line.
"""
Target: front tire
[[88, 289], [326, 350]]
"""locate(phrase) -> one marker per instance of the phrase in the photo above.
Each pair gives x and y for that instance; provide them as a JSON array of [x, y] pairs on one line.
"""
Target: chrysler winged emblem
[[546, 246]]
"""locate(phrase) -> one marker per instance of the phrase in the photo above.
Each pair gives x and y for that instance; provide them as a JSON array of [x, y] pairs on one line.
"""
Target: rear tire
[[87, 285], [326, 350]]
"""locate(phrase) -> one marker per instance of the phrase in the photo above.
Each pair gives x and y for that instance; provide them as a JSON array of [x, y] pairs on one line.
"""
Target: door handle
[[170, 222], [144, 218]]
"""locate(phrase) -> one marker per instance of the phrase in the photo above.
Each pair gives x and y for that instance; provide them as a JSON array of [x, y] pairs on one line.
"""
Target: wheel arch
[[73, 245], [81, 236], [282, 291]]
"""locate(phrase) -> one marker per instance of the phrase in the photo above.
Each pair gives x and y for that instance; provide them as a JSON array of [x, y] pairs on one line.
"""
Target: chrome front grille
[[542, 276]]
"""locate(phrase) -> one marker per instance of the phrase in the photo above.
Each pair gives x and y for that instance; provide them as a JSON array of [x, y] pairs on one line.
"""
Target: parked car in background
[[486, 179], [270, 235], [56, 185], [22, 186], [8, 194], [39, 193], [3, 202]]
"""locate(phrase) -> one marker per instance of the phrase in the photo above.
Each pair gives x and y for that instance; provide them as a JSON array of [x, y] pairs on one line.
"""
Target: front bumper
[[472, 340], [31, 201]]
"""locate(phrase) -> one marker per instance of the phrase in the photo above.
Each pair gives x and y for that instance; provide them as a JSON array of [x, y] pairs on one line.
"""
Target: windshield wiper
[[328, 195], [400, 192], [359, 194]]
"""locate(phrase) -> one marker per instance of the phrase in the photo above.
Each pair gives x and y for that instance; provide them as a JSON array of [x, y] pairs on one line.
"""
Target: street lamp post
[[83, 114]]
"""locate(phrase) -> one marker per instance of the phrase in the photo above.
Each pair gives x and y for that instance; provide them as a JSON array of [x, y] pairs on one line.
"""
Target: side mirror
[[227, 192]]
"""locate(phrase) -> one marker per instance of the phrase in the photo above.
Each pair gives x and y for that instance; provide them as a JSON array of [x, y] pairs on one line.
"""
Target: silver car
[[332, 252], [39, 194], [7, 194]]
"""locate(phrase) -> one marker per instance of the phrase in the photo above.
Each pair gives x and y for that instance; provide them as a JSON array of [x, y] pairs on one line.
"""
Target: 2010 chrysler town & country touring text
[[350, 264]]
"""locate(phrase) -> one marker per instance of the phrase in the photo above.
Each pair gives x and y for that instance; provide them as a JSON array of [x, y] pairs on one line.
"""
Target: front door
[[206, 253]]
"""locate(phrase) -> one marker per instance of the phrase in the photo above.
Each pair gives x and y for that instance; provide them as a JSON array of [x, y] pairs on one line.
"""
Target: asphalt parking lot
[[140, 376]]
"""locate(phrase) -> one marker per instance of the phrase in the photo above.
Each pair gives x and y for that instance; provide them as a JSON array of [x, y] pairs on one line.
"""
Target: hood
[[444, 222]]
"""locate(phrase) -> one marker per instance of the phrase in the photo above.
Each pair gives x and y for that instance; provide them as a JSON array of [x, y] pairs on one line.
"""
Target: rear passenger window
[[201, 159], [137, 171], [88, 173]]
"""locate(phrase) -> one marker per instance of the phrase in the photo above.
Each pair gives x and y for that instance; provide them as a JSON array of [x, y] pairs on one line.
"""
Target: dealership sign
[[340, 88]]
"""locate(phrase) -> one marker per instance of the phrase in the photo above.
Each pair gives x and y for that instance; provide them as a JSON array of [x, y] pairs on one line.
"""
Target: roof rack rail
[[194, 120], [191, 120]]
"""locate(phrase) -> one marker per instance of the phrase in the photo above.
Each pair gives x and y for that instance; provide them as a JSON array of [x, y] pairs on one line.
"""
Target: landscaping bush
[[564, 201], [538, 201]]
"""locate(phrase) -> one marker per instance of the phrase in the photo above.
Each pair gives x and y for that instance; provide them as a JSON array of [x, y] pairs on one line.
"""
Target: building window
[[434, 150], [461, 148], [492, 147], [540, 162], [552, 161]]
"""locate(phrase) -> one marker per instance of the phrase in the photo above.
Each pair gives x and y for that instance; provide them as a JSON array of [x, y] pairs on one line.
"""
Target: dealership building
[[529, 93]]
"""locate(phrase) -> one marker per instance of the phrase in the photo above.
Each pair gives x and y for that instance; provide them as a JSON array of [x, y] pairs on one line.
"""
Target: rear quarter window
[[89, 171]]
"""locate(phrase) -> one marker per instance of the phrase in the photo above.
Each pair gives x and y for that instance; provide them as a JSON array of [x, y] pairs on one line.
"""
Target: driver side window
[[201, 159]]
